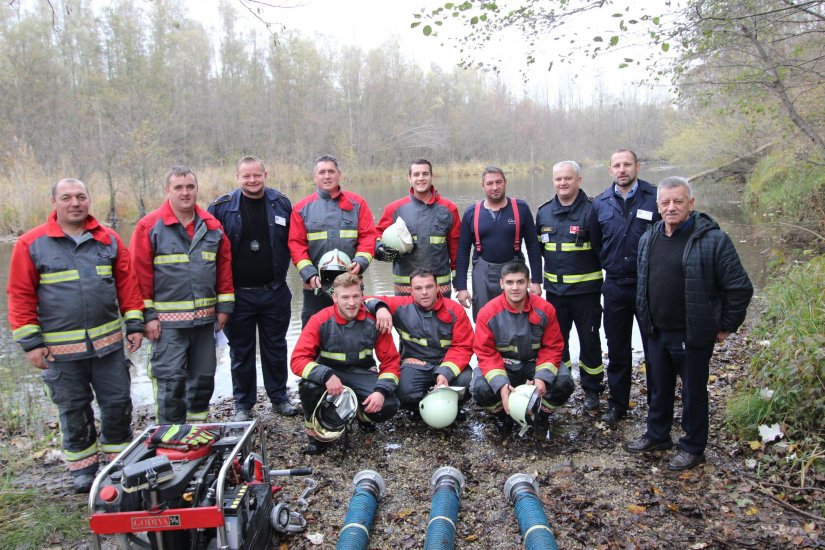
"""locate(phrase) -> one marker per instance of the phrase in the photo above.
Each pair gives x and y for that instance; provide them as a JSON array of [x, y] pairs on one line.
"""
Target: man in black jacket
[[256, 220], [695, 293]]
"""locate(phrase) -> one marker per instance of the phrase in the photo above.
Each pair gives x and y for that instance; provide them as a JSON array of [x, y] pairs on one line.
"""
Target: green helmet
[[439, 408], [524, 402], [397, 236], [332, 414]]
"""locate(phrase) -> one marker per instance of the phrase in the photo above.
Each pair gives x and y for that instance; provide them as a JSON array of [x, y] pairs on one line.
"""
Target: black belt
[[268, 286]]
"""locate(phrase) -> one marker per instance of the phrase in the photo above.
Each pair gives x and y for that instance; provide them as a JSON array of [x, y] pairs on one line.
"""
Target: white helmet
[[524, 402], [439, 408], [397, 236], [332, 414], [332, 264]]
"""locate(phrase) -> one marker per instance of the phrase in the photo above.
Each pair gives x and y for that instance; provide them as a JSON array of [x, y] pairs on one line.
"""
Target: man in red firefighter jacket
[[435, 335], [183, 262], [329, 219], [434, 224], [518, 341], [336, 349], [70, 282]]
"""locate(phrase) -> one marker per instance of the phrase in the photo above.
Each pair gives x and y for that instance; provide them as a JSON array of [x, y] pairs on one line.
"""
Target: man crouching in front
[[334, 357]]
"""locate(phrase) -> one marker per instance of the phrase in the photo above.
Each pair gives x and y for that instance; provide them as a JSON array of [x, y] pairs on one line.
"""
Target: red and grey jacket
[[434, 226], [330, 341], [508, 337], [442, 336], [69, 296], [185, 273], [322, 222], [571, 266]]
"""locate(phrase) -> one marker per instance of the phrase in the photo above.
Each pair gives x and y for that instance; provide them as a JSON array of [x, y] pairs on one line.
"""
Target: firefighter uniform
[[433, 342], [322, 222], [573, 281], [68, 295], [515, 346], [330, 345], [616, 226], [185, 277], [495, 239], [434, 226]]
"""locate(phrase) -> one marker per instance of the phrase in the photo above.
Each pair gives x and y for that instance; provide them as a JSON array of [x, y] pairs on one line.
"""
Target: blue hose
[[535, 528], [444, 513], [355, 534]]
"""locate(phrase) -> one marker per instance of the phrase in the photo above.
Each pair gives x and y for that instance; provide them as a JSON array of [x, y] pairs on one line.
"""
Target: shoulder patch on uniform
[[223, 198]]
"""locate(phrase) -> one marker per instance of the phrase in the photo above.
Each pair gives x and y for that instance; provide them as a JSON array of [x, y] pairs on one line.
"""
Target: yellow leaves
[[752, 511], [406, 512], [471, 538], [636, 509], [712, 378], [755, 445]]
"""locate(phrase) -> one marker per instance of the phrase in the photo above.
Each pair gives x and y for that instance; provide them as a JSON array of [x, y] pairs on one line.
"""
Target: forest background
[[114, 93]]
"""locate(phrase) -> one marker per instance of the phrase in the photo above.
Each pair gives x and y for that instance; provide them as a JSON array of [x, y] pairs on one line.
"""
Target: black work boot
[[504, 424], [591, 401], [613, 415], [315, 447], [82, 483]]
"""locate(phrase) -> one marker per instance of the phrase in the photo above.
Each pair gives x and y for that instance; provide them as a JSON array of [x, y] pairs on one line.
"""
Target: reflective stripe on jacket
[[329, 340], [442, 336], [434, 227], [69, 295], [505, 339], [189, 279], [570, 264], [322, 222]]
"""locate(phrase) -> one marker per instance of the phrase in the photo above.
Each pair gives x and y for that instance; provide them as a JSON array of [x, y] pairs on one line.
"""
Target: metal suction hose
[[448, 483], [521, 490], [368, 489]]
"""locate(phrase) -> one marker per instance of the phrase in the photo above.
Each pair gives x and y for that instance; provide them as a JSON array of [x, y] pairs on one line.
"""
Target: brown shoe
[[683, 460]]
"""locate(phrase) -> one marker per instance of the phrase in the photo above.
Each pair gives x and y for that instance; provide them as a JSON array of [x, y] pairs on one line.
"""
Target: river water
[[720, 201]]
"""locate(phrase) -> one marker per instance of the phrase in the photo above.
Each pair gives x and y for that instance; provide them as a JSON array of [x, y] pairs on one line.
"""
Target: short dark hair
[[249, 159], [422, 271], [325, 158], [631, 151], [419, 161], [179, 170], [515, 266], [493, 170]]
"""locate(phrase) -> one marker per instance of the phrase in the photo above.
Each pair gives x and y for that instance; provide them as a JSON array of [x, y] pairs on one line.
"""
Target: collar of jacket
[[339, 195], [92, 226], [341, 320], [433, 195], [235, 201], [169, 218], [529, 308]]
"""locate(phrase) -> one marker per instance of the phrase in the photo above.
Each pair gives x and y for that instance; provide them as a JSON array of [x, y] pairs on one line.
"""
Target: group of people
[[74, 287]]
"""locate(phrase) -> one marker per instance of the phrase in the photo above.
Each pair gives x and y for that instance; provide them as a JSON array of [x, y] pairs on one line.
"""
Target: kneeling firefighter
[[336, 352]]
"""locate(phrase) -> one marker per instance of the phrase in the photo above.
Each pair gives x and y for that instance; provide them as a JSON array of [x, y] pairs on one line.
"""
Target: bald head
[[68, 180]]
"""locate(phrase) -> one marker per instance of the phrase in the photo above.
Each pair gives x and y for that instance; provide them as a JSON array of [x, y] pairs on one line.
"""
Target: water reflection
[[719, 201]]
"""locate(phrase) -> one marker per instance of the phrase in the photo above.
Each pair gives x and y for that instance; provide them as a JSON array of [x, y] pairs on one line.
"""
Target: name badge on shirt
[[280, 220], [574, 229], [644, 214]]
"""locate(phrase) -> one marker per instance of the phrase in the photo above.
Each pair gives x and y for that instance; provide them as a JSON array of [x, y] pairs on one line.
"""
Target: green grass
[[789, 361]]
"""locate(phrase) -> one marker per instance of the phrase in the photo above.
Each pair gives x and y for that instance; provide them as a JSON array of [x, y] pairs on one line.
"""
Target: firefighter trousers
[[361, 381], [416, 380], [585, 311]]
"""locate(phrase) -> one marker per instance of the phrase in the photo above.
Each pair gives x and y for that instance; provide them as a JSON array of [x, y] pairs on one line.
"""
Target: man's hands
[[535, 288], [383, 320], [354, 268], [374, 403], [463, 298], [504, 392], [722, 336], [153, 330], [223, 318], [385, 253], [334, 386], [541, 387], [39, 358], [441, 380], [133, 341]]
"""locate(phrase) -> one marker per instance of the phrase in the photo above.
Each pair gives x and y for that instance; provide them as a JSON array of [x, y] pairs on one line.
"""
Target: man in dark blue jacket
[[256, 221], [695, 293], [621, 214]]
